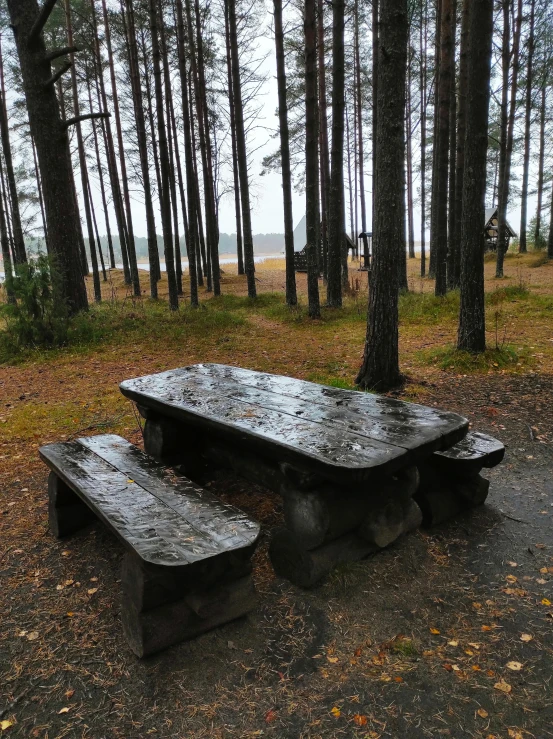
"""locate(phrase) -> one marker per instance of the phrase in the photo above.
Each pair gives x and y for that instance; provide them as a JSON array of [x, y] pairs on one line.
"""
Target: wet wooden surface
[[334, 431], [166, 520]]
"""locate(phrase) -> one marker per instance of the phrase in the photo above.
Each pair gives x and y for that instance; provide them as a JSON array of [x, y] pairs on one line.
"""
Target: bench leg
[[66, 511], [442, 496], [152, 624]]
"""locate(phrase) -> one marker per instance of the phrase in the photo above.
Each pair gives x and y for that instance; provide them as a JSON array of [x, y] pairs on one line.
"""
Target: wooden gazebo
[[491, 227]]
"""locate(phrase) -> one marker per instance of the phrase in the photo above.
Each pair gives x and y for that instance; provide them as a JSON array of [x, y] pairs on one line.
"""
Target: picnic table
[[345, 462]]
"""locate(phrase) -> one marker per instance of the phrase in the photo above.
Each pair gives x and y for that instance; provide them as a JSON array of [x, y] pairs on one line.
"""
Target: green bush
[[36, 317]]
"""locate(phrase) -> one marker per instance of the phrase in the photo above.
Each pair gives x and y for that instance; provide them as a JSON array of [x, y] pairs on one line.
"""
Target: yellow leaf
[[503, 686], [63, 710], [324, 673], [545, 602], [511, 578], [6, 724], [515, 666], [129, 480], [70, 614], [482, 713], [515, 734], [543, 570], [91, 591], [526, 637], [453, 643], [486, 628], [474, 645], [434, 631], [360, 720], [32, 636], [336, 712]]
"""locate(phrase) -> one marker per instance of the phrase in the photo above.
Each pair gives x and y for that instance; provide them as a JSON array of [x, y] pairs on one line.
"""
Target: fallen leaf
[[434, 631], [336, 712], [486, 628], [129, 480], [474, 645], [453, 643], [541, 581], [514, 734], [448, 667], [476, 668], [332, 660], [32, 636], [69, 693], [515, 666], [398, 679], [270, 716], [477, 605], [545, 602], [511, 578], [503, 686], [359, 719], [324, 673], [63, 710], [6, 724], [482, 713], [70, 614], [91, 591], [231, 645], [68, 582], [543, 570], [526, 637], [512, 564], [456, 668]]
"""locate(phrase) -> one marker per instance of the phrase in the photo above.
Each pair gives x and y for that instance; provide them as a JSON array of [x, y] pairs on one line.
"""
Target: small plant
[[404, 646], [36, 317]]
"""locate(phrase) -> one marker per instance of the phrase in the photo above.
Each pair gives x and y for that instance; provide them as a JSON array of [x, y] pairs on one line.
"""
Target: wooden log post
[[161, 608], [442, 496], [66, 511], [173, 444]]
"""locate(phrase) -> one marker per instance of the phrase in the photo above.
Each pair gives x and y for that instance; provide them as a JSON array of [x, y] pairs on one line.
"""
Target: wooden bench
[[450, 480], [188, 564]]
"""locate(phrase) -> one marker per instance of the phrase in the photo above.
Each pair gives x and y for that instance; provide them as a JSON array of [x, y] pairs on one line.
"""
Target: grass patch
[[539, 259], [492, 360], [426, 308], [509, 293], [131, 322], [405, 646], [338, 382]]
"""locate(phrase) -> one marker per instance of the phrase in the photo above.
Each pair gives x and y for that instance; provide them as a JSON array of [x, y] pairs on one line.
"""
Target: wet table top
[[343, 434]]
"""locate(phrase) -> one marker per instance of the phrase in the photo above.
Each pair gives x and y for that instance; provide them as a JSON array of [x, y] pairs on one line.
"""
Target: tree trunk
[[337, 267], [40, 195], [541, 164], [380, 368], [324, 155], [527, 124], [311, 158], [442, 150], [359, 101], [424, 100], [125, 216], [456, 200], [241, 150], [153, 254], [18, 240], [453, 263], [550, 238], [189, 158], [164, 195], [409, 144], [504, 187], [6, 255], [472, 318], [235, 176], [51, 140], [291, 296], [434, 190]]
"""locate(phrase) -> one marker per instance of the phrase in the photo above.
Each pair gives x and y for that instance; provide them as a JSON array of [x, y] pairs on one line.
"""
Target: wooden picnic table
[[344, 461]]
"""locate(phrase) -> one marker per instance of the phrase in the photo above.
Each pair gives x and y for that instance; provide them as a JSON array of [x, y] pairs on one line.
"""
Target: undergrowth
[[492, 360]]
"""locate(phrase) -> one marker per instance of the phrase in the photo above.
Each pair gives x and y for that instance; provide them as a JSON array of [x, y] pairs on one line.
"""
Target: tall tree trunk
[[193, 249], [241, 150], [409, 145], [504, 187], [456, 199], [472, 318], [82, 162], [235, 176], [40, 196], [291, 295], [550, 237], [380, 368], [153, 254], [324, 155], [52, 146], [96, 232], [527, 125], [125, 222], [6, 255], [442, 151], [541, 164], [424, 100], [350, 179], [434, 192], [453, 263], [337, 269], [164, 195], [311, 158], [19, 241], [360, 152]]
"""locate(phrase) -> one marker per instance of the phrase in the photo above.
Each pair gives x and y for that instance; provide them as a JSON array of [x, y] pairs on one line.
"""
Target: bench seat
[[188, 563], [450, 480]]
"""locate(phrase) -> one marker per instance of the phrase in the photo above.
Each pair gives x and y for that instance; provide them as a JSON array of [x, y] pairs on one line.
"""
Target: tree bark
[[360, 151], [453, 263], [291, 295], [409, 145], [324, 155], [380, 368], [472, 318], [424, 100], [249, 263], [457, 202], [311, 158], [527, 130], [54, 159], [18, 239], [541, 164]]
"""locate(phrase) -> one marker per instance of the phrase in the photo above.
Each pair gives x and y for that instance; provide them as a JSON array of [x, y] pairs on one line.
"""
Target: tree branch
[[55, 77], [42, 17], [85, 117], [56, 53]]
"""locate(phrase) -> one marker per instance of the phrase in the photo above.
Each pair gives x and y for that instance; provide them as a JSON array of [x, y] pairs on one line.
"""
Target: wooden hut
[[490, 229]]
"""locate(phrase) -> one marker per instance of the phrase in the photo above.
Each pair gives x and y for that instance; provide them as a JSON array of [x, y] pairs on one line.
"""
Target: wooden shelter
[[490, 228]]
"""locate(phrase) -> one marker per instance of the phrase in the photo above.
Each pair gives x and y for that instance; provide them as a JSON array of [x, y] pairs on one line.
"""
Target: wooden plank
[[476, 447], [335, 428], [277, 434], [154, 526]]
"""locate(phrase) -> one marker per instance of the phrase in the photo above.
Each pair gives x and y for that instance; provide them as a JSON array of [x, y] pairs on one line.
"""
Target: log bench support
[[187, 568]]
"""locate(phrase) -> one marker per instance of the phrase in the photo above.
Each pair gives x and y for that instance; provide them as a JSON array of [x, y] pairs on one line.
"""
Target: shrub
[[36, 317]]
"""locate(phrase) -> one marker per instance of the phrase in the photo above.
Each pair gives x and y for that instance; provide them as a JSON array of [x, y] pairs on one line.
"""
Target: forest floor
[[449, 632]]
